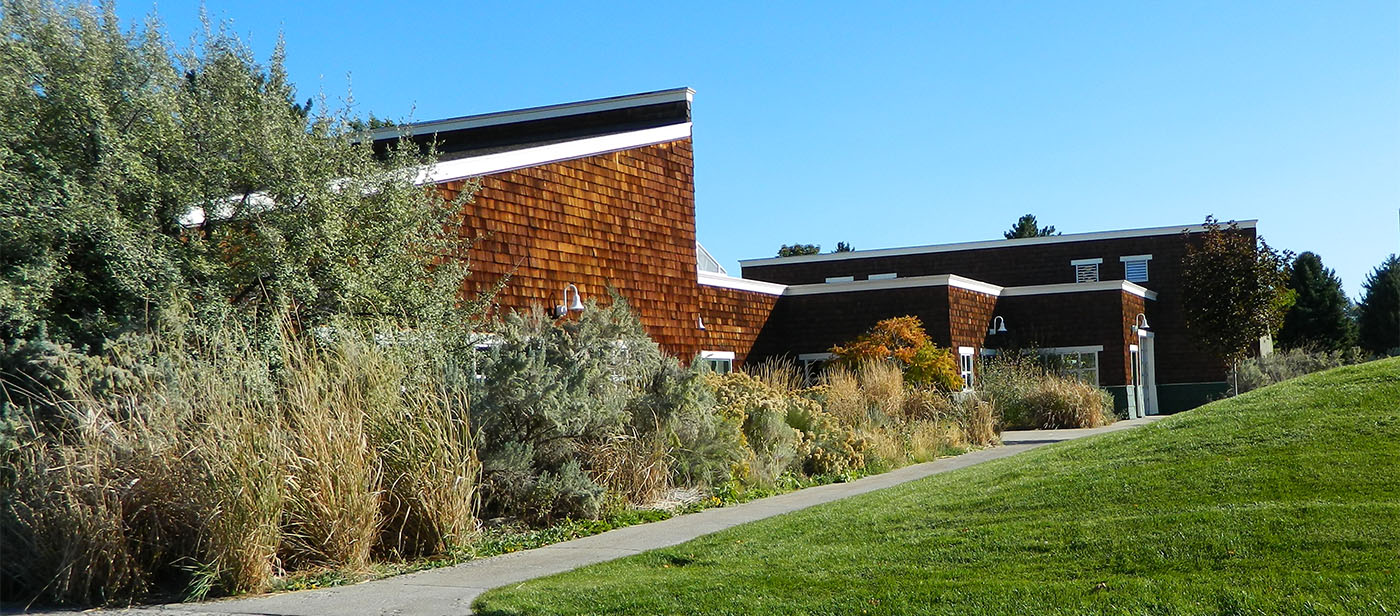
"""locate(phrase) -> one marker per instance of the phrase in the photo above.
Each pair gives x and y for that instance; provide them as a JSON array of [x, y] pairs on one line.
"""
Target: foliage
[[797, 250], [1379, 311], [110, 138], [1265, 370], [1026, 226], [761, 410], [904, 341], [1321, 314], [844, 247], [189, 460], [1028, 394], [1234, 290], [1244, 506]]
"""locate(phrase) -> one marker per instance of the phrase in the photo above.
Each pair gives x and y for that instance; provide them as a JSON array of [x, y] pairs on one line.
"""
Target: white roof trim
[[486, 164], [711, 279], [1029, 241], [1135, 258], [1077, 262], [953, 280], [940, 280], [534, 113], [1078, 287]]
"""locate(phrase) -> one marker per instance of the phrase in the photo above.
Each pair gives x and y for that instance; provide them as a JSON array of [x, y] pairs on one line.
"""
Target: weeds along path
[[452, 590]]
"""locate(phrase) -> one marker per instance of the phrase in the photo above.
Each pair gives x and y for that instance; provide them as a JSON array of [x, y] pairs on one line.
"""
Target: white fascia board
[[1086, 261], [717, 355], [487, 164], [534, 113], [1081, 287], [1135, 258], [941, 280], [985, 244], [712, 279]]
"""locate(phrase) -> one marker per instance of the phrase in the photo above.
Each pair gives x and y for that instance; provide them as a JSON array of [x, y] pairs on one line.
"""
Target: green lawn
[[1283, 500]]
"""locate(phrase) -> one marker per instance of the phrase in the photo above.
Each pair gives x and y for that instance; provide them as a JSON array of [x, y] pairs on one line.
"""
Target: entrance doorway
[[1147, 371]]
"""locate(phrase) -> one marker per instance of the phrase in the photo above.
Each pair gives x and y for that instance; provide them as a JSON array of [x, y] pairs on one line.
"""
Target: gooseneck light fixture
[[565, 307], [998, 326], [1139, 323]]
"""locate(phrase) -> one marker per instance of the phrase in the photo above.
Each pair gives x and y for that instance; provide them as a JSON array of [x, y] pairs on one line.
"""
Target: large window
[[1081, 363], [812, 365]]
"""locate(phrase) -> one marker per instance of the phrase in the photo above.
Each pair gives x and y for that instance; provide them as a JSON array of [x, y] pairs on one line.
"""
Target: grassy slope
[[1283, 500]]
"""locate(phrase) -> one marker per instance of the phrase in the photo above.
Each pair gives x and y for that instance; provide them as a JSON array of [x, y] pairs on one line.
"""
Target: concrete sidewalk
[[451, 590]]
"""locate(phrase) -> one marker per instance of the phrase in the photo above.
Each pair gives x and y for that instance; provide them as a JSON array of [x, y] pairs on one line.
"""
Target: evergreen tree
[[1379, 311], [1026, 226], [797, 250], [1320, 318], [844, 247]]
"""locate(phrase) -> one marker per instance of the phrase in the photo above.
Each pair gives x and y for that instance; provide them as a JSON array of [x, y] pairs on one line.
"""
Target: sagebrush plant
[[1265, 370]]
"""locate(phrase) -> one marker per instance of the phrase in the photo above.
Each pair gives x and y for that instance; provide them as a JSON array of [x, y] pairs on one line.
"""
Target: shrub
[[1027, 395], [1257, 372], [903, 341], [762, 413]]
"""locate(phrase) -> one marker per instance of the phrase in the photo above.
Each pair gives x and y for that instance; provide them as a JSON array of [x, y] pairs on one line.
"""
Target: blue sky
[[894, 124]]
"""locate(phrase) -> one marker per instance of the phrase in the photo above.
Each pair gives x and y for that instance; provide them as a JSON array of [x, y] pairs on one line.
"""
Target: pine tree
[[1026, 226], [1320, 318], [1379, 312]]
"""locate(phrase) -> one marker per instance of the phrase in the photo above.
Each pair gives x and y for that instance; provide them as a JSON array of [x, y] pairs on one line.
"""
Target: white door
[[1146, 342], [1135, 364]]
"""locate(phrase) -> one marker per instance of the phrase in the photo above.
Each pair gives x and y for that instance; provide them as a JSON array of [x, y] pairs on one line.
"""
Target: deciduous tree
[[796, 250], [904, 341], [1234, 288]]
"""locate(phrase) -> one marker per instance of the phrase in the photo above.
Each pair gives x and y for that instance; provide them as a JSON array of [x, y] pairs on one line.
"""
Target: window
[[1080, 363], [718, 362], [1135, 267], [1086, 270], [889, 276], [965, 364], [812, 365], [840, 279]]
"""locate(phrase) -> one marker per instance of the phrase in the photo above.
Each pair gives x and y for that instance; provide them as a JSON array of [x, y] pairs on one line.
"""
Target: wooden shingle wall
[[733, 319], [969, 315], [624, 219]]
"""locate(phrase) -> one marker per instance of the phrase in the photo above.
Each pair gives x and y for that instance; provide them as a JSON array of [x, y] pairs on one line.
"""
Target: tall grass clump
[[1027, 394], [188, 462]]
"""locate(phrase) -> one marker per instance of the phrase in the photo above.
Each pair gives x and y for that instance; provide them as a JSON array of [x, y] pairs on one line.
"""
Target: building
[[579, 198]]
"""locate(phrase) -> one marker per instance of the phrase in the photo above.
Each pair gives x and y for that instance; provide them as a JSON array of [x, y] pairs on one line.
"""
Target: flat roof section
[[986, 244]]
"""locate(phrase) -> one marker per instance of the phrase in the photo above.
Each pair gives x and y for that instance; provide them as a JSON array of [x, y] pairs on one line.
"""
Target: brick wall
[[625, 219]]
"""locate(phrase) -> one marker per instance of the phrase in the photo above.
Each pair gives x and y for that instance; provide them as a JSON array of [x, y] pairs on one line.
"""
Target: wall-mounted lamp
[[1139, 322], [565, 307], [998, 326]]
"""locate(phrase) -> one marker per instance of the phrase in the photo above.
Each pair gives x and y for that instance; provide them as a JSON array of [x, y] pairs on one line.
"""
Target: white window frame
[[1078, 372], [719, 362], [885, 276], [809, 361], [966, 362], [1146, 275], [1084, 267]]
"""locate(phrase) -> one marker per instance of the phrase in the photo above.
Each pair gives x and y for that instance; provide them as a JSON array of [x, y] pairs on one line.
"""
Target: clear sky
[[896, 124]]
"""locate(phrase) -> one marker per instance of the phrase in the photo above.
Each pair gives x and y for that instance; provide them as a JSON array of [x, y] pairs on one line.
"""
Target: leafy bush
[[762, 413], [1257, 372], [903, 341]]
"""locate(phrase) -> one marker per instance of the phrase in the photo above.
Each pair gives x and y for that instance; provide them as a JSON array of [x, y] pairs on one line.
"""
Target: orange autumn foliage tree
[[904, 341]]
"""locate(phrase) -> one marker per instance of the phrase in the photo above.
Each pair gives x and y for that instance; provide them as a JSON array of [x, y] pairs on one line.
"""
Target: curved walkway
[[451, 590]]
